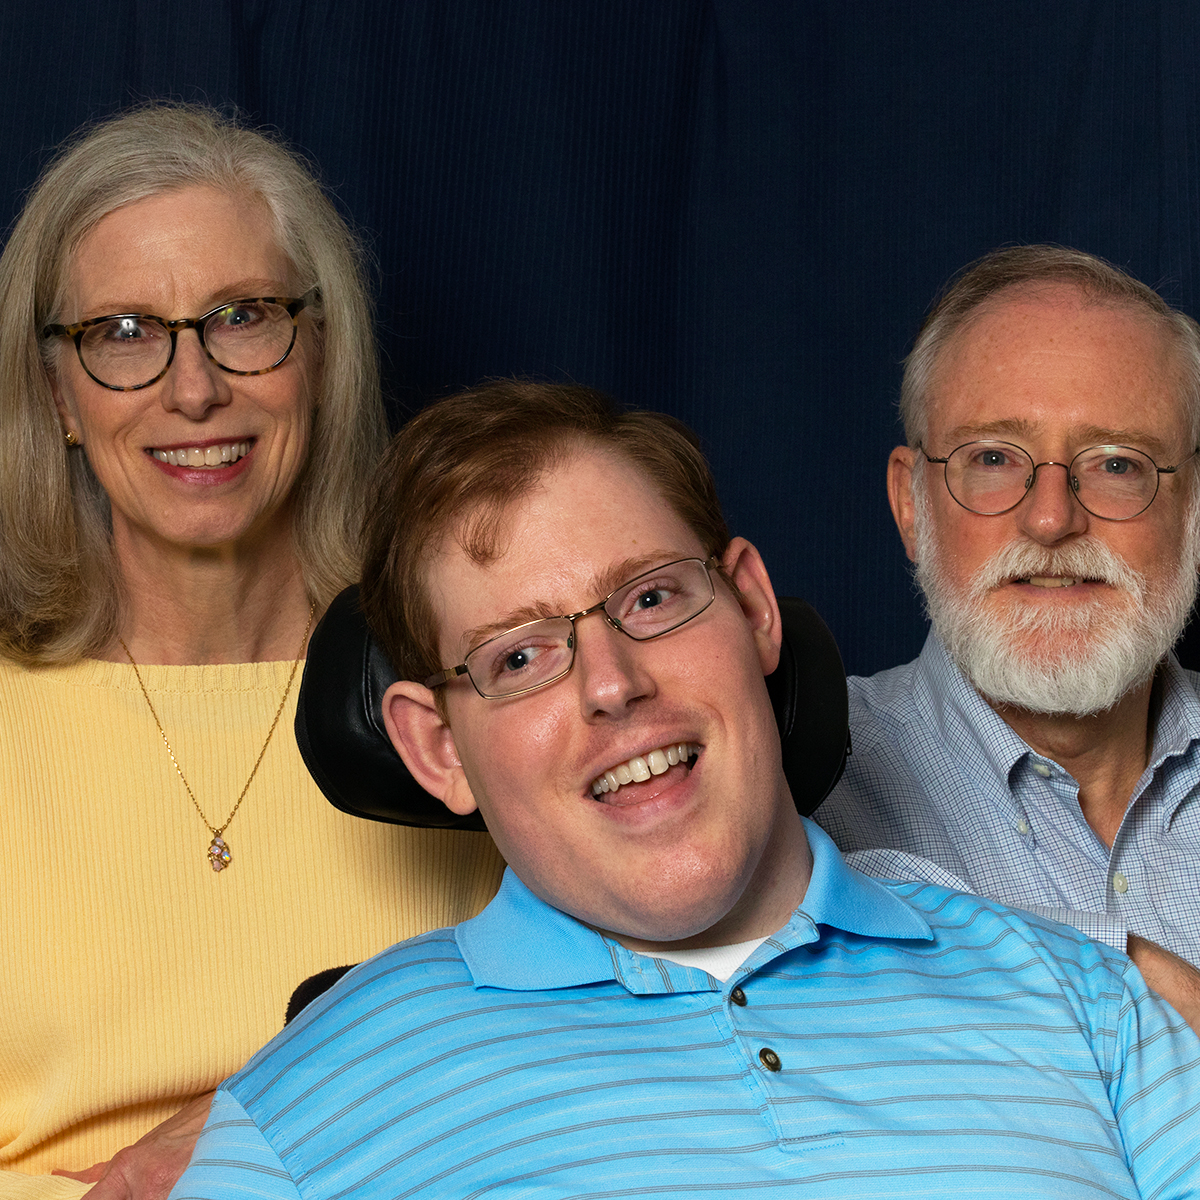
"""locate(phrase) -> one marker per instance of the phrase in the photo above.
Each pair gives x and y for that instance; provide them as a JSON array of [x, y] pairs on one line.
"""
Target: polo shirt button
[[770, 1059], [1120, 883], [738, 997], [1043, 770], [1022, 826]]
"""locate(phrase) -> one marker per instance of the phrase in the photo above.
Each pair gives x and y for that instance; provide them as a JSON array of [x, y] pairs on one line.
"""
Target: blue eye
[[237, 317], [992, 457], [123, 330], [519, 659]]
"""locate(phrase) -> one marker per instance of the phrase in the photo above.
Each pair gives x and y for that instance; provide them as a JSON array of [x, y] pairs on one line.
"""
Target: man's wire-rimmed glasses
[[1115, 483], [538, 653], [125, 352]]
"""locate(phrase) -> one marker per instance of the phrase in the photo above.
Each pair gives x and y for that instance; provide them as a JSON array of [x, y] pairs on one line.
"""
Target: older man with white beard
[[1044, 749]]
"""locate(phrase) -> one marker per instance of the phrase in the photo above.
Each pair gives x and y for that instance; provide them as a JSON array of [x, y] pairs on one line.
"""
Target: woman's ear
[[67, 416], [423, 739], [744, 565]]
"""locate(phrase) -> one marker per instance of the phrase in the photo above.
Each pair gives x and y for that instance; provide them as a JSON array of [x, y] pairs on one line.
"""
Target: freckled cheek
[[524, 749], [539, 723]]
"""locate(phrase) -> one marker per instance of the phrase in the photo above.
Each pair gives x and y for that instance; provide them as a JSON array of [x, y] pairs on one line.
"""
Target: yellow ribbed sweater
[[134, 976]]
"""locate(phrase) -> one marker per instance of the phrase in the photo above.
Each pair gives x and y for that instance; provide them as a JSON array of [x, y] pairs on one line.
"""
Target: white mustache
[[1086, 558]]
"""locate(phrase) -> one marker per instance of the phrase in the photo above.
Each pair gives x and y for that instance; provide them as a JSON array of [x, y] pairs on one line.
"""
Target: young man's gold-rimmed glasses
[[538, 653]]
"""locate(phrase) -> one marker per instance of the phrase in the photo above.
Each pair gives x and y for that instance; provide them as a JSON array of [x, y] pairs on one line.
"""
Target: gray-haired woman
[[189, 405]]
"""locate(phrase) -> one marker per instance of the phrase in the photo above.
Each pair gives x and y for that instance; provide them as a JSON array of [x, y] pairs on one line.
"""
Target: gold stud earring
[[72, 440]]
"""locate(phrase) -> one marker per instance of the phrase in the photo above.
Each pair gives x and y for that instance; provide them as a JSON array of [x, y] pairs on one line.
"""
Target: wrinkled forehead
[[1014, 342], [158, 209]]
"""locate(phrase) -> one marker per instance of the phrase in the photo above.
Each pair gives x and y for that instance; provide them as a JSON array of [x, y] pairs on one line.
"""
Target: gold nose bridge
[[587, 612]]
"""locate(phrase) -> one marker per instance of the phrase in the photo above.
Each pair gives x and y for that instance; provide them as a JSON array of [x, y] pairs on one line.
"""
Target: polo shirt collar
[[521, 943]]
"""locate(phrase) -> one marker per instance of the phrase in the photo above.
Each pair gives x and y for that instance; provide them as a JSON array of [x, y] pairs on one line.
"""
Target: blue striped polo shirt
[[892, 1040]]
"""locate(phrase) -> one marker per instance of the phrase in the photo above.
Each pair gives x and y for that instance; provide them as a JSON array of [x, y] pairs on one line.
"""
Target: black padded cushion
[[314, 986], [339, 718]]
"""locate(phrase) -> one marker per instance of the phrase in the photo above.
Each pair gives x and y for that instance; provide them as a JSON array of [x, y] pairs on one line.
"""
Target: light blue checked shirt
[[890, 1041], [938, 787]]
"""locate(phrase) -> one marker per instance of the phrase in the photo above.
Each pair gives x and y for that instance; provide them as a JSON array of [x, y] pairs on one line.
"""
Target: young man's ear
[[744, 565], [426, 744], [900, 497]]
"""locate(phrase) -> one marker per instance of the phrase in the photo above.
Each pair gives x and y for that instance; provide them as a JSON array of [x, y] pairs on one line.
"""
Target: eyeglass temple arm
[[1172, 470], [441, 677]]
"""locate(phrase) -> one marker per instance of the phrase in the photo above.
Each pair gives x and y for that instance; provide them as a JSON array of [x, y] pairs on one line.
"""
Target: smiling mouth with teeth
[[641, 767], [204, 456], [1052, 581]]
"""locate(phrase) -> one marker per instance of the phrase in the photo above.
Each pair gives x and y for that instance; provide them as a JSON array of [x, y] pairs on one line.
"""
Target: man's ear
[[900, 497], [744, 565], [426, 744]]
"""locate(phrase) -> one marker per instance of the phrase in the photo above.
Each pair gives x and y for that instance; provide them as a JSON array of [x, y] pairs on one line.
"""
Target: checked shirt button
[[738, 997]]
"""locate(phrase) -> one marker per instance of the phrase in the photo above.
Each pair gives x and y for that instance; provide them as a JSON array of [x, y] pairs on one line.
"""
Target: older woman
[[188, 406]]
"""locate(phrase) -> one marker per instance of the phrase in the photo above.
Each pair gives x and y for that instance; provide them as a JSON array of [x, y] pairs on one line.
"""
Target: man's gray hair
[[1036, 266]]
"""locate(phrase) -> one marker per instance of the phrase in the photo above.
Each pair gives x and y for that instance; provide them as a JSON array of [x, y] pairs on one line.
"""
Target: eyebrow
[[603, 583], [1084, 436], [240, 289]]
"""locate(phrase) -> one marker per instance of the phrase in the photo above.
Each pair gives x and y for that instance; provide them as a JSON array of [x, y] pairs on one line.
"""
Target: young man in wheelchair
[[681, 989]]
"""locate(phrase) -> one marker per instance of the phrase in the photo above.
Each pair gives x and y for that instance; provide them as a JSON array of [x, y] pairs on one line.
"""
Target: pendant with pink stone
[[218, 854]]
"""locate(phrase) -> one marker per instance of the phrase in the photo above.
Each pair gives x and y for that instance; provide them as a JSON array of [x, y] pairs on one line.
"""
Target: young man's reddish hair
[[456, 466]]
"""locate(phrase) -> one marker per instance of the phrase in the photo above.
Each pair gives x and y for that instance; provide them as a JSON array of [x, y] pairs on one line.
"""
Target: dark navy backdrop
[[734, 210]]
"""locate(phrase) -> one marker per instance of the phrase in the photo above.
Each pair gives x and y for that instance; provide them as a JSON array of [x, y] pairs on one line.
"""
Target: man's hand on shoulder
[[148, 1169], [1173, 978]]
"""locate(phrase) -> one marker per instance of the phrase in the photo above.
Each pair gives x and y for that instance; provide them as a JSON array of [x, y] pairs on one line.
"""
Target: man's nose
[[1050, 511], [611, 668]]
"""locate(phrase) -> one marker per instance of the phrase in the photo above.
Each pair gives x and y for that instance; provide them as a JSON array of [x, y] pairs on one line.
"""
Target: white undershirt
[[719, 961]]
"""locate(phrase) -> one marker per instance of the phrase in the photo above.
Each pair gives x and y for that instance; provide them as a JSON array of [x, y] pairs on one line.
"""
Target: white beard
[[1050, 658]]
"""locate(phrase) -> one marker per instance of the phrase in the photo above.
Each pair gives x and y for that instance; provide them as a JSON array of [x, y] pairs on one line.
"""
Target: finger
[[92, 1174]]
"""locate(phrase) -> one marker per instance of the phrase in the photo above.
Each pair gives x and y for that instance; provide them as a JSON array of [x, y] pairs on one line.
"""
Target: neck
[[1106, 752], [766, 903], [211, 606]]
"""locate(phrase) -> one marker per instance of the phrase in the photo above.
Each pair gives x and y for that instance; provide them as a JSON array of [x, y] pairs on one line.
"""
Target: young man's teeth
[[207, 456], [641, 767]]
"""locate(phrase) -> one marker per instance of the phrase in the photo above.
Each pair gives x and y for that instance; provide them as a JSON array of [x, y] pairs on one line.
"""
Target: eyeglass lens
[[542, 651], [130, 351], [1116, 482]]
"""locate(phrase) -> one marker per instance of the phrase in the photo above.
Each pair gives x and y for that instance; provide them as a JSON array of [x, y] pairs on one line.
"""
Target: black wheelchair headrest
[[339, 718]]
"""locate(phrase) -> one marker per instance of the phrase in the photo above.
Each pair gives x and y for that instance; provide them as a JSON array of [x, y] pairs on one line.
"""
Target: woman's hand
[[148, 1169]]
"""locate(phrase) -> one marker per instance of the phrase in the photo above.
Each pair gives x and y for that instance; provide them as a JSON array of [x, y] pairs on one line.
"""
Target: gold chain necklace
[[218, 850]]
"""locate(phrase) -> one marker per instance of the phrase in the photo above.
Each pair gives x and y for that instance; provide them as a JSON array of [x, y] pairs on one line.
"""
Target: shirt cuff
[[233, 1161]]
